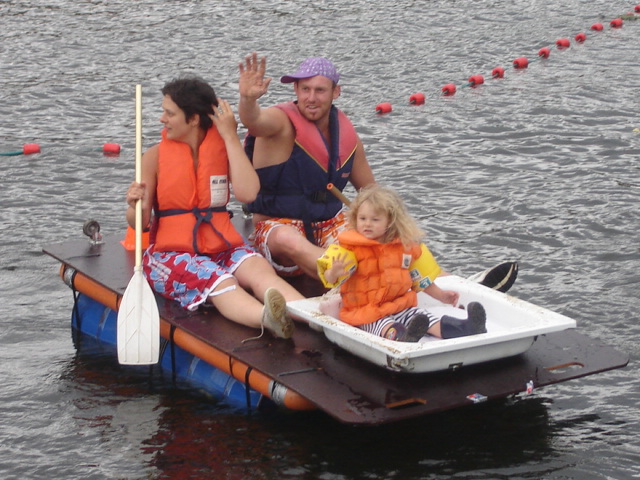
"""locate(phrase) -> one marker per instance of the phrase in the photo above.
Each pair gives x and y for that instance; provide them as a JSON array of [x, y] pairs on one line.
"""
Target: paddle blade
[[138, 323]]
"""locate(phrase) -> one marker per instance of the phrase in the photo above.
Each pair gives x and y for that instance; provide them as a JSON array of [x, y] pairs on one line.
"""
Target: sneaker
[[501, 277], [275, 317]]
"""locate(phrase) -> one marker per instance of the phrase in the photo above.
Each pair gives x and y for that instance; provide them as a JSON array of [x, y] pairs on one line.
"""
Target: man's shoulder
[[275, 115]]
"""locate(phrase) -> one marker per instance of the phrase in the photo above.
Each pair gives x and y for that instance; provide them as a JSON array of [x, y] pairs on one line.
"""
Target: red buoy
[[384, 107], [497, 72], [597, 27], [449, 89], [476, 80], [581, 37], [544, 52], [521, 62], [417, 99], [111, 148], [563, 43], [30, 148], [616, 23], [637, 9]]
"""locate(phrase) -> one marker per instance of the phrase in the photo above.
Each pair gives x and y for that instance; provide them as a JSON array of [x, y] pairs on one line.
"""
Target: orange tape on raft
[[94, 290], [237, 369], [220, 360]]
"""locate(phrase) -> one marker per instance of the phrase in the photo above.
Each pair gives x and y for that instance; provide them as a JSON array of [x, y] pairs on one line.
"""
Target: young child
[[374, 264]]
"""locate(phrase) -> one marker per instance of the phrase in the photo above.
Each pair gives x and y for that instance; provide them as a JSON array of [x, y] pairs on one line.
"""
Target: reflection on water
[[540, 166], [170, 433], [154, 426]]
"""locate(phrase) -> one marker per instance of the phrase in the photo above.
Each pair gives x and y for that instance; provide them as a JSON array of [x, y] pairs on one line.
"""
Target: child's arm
[[445, 296], [424, 269], [337, 269], [336, 265]]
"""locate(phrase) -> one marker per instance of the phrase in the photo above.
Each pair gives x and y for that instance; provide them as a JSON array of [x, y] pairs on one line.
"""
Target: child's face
[[371, 223]]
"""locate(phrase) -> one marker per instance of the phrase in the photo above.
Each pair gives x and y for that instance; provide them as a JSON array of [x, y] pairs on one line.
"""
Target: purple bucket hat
[[311, 67]]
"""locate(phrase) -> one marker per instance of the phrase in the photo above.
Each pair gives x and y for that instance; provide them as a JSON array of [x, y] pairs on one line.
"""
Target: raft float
[[330, 370]]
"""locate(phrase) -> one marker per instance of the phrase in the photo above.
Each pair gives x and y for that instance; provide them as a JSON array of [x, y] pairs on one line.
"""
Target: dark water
[[541, 167]]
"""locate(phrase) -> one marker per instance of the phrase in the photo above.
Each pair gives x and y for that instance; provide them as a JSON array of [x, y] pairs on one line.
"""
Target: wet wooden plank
[[344, 386]]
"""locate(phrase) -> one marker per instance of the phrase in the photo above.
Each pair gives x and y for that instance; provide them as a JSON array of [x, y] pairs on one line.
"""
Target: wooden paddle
[[333, 189], [138, 317]]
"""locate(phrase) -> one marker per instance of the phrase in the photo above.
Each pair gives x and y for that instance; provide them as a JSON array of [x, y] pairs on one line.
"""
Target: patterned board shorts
[[190, 278], [326, 233]]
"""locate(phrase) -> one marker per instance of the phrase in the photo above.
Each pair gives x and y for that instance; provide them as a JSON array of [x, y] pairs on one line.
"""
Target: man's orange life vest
[[191, 204], [381, 285]]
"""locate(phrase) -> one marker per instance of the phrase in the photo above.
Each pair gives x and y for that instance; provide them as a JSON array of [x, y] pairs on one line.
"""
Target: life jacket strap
[[203, 215]]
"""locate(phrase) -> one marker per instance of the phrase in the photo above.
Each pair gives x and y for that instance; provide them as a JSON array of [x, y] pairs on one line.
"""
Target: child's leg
[[451, 327], [410, 325], [331, 305], [382, 327]]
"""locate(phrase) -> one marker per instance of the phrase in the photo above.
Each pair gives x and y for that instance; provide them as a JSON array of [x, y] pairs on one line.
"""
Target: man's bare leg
[[289, 247]]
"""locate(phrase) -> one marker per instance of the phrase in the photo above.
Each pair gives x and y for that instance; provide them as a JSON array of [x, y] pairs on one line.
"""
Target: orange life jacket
[[191, 204], [381, 285]]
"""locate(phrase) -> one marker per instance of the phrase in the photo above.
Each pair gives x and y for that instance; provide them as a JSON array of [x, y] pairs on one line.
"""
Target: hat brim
[[293, 78]]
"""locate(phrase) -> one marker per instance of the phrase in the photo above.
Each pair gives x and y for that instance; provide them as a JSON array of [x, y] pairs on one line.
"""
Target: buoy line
[[108, 149], [419, 98]]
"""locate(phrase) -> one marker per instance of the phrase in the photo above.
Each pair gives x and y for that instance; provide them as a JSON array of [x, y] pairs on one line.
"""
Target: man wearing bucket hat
[[299, 149]]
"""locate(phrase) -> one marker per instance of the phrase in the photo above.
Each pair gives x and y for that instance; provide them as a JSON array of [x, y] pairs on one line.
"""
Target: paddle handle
[[333, 189], [138, 174]]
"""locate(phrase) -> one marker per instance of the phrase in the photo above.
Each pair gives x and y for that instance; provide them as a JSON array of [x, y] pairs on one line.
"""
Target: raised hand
[[253, 83], [339, 267]]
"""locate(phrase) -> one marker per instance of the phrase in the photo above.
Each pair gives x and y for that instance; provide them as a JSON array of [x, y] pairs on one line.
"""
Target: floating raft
[[308, 371]]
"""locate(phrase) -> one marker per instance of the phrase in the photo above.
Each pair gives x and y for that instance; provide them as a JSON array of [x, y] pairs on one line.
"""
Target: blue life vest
[[297, 188]]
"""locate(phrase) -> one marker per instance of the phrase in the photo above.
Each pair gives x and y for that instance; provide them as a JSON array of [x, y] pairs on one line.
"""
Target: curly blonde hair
[[384, 200]]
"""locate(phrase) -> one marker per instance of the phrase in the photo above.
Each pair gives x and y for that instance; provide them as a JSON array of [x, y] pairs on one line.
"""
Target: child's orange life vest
[[381, 285]]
